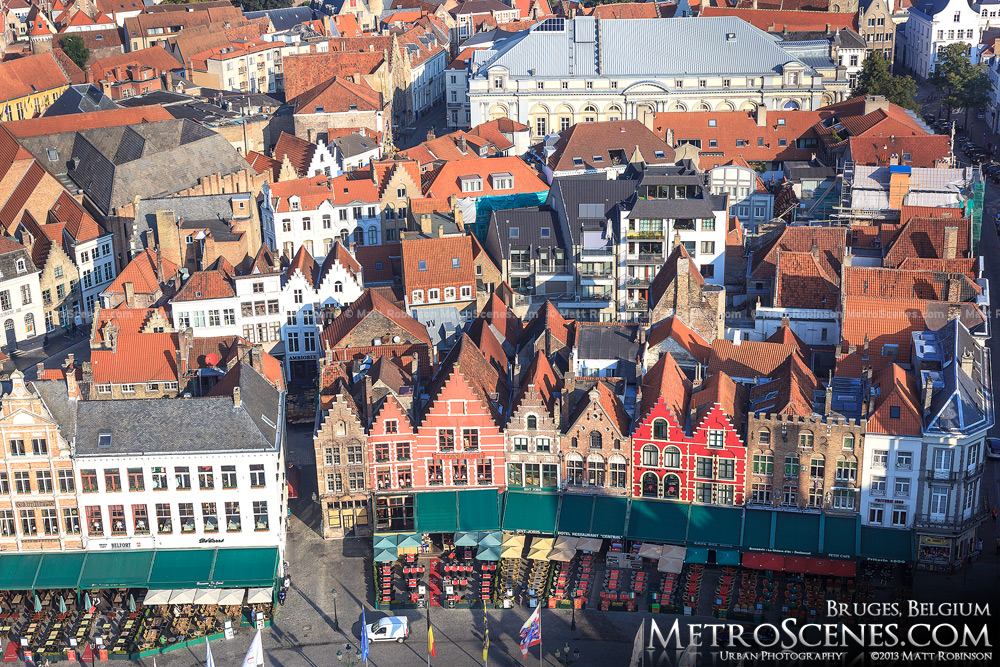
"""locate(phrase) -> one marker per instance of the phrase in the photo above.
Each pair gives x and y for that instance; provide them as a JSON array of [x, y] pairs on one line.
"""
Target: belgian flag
[[430, 636]]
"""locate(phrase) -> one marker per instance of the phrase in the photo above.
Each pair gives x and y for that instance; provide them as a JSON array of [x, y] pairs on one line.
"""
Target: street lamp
[[352, 659], [572, 618], [567, 657], [336, 623]]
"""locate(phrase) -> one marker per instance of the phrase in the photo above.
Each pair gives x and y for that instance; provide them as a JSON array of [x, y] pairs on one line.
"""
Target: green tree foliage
[[962, 84], [876, 79], [77, 51], [259, 5]]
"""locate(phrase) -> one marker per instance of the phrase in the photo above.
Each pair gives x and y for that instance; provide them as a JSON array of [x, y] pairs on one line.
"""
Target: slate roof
[[201, 208], [578, 146], [665, 46], [963, 401], [81, 98], [596, 340], [195, 425], [578, 197], [529, 223], [285, 18]]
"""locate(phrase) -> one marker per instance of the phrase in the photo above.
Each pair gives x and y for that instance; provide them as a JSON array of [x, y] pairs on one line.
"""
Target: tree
[[963, 85], [876, 79], [73, 46]]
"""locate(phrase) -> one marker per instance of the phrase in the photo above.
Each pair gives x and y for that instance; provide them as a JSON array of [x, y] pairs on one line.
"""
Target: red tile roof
[[749, 358], [305, 71], [141, 272], [314, 190], [76, 122], [802, 282], [720, 390], [629, 10], [549, 318], [126, 320], [338, 95], [369, 302], [467, 361], [583, 141], [438, 255], [377, 261], [298, 151], [609, 402], [544, 380], [785, 336], [923, 150], [893, 387], [79, 224], [830, 244], [138, 358], [907, 212], [445, 181], [664, 382], [968, 267], [35, 73], [924, 237], [496, 313], [788, 391], [773, 20], [303, 263], [342, 256], [676, 329], [907, 284], [490, 345], [262, 164], [761, 143], [155, 57], [211, 284]]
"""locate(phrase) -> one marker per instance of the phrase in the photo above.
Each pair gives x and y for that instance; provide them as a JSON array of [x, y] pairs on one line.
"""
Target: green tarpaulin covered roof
[[165, 569]]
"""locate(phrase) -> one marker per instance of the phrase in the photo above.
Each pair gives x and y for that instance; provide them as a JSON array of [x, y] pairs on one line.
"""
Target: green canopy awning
[[658, 521], [714, 525], [576, 514], [408, 540], [488, 553], [437, 512], [384, 541], [61, 570], [609, 517], [387, 554], [696, 555], [243, 568], [893, 545], [530, 512], [116, 569], [757, 530], [840, 536], [478, 509], [17, 571], [727, 557], [796, 532], [492, 538], [181, 568]]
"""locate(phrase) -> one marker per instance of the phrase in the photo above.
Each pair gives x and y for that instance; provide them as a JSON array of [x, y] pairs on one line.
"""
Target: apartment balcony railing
[[644, 258], [637, 305], [644, 234], [549, 269], [520, 266], [604, 295], [950, 525], [606, 251], [638, 282], [596, 273]]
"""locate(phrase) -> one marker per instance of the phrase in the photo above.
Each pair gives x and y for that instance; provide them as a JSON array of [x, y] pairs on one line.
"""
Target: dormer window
[[545, 232], [455, 263], [502, 181], [473, 183], [293, 204], [104, 440], [578, 161], [514, 232], [21, 266]]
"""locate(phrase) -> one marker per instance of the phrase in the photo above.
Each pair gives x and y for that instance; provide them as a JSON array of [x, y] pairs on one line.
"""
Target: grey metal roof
[[639, 47], [814, 53], [114, 165], [80, 98], [354, 144], [178, 426], [8, 263], [962, 401], [683, 209], [285, 17], [579, 198], [443, 323]]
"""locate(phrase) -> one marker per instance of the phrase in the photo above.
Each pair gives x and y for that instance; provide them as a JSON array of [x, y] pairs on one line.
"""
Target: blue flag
[[364, 636]]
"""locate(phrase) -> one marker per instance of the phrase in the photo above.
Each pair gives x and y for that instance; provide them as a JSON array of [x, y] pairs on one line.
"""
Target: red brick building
[[688, 445]]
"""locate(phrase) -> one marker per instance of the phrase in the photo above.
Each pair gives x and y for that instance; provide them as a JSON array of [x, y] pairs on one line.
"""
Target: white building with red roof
[[317, 211]]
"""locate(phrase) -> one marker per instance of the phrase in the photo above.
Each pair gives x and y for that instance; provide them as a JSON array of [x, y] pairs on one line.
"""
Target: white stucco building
[[21, 310], [625, 68], [212, 474], [933, 25], [749, 200], [317, 211]]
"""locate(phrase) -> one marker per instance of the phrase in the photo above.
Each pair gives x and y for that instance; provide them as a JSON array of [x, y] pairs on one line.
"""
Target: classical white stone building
[[933, 25], [572, 70]]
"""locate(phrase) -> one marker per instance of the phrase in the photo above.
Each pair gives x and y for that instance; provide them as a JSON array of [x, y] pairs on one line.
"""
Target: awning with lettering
[[756, 561], [156, 597]]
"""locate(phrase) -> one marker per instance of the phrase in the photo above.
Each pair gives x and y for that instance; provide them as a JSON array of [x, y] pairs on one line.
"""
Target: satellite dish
[[212, 359]]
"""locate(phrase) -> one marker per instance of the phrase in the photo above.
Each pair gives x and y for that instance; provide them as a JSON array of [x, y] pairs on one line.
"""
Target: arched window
[[660, 429], [671, 486], [650, 455], [650, 485], [29, 324], [344, 236], [703, 107], [532, 422], [671, 457], [791, 105], [338, 287], [596, 470], [589, 113], [619, 471], [359, 236], [726, 106], [595, 440], [678, 107], [372, 236], [498, 112], [574, 469], [614, 112]]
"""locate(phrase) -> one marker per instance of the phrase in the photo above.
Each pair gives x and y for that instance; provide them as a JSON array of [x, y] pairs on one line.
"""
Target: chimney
[[814, 249], [39, 370], [762, 115], [899, 185], [954, 288], [967, 359], [785, 322], [865, 347], [367, 400], [440, 231], [459, 218], [159, 265], [425, 223], [950, 250], [72, 388], [463, 145], [430, 134], [237, 401], [547, 349], [828, 406], [257, 358], [569, 386], [130, 294]]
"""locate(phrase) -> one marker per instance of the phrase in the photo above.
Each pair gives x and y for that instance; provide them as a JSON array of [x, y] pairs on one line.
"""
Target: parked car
[[389, 629], [993, 448]]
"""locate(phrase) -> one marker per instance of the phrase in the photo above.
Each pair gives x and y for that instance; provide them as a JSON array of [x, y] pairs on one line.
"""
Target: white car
[[390, 628]]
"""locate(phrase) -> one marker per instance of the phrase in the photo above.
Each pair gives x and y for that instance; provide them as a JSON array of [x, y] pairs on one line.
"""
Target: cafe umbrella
[[62, 605], [86, 601], [131, 603], [38, 604]]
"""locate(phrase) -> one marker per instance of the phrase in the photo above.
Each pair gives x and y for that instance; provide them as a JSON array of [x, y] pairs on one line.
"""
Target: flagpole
[[539, 632]]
